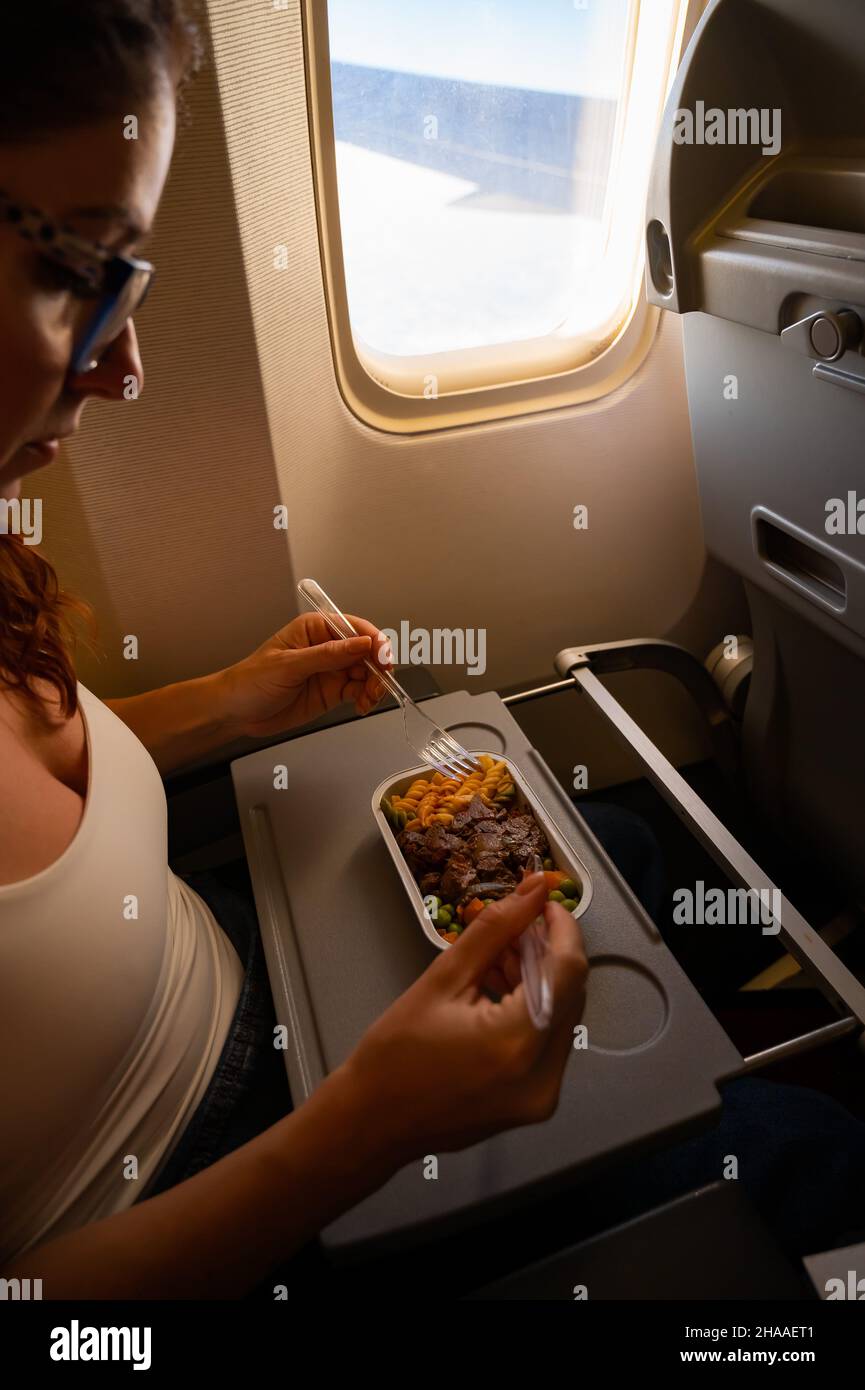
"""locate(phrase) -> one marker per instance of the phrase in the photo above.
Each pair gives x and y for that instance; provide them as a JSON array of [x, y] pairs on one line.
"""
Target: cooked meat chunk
[[522, 837], [479, 855], [492, 866], [428, 849], [411, 842], [438, 844], [468, 815], [495, 880], [487, 839], [487, 849], [458, 877]]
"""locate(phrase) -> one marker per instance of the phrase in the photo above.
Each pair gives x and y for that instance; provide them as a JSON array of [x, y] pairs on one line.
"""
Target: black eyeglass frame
[[119, 282]]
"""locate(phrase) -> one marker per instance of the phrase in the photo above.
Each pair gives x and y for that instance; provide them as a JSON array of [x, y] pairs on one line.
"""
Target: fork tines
[[447, 755]]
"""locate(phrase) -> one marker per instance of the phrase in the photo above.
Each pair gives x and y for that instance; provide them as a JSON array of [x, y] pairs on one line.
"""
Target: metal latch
[[828, 337], [825, 335]]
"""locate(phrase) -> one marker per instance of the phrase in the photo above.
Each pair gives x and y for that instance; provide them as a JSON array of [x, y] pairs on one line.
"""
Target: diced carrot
[[451, 936], [552, 877], [473, 910]]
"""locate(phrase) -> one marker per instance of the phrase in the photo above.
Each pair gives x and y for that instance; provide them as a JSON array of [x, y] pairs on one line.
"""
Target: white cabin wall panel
[[461, 528]]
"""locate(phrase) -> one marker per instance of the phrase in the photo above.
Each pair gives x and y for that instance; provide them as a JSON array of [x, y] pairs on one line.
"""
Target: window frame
[[477, 384]]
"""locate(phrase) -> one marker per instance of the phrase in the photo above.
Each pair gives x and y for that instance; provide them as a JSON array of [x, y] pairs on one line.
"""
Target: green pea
[[570, 888], [443, 919], [548, 864], [556, 896], [570, 905]]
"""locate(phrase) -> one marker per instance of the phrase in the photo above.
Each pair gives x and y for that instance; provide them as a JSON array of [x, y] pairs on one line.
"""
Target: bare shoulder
[[39, 810]]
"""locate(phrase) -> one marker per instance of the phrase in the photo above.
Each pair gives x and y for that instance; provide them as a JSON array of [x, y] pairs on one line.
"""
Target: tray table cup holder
[[562, 853]]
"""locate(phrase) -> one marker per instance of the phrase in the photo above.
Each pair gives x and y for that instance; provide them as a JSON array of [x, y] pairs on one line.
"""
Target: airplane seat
[[756, 235]]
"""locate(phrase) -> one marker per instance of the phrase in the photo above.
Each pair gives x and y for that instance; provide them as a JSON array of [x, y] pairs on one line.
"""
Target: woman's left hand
[[300, 673]]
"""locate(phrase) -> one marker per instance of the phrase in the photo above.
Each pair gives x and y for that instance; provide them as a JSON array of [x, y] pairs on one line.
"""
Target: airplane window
[[482, 169], [473, 143]]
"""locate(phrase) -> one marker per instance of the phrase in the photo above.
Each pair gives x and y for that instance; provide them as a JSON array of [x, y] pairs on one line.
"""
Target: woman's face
[[105, 188]]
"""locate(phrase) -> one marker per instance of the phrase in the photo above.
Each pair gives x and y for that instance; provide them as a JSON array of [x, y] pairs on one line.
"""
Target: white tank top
[[111, 1023]]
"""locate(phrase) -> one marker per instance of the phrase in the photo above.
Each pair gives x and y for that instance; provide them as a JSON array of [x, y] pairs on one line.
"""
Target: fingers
[[510, 966], [569, 968], [363, 688], [342, 655], [543, 1056], [369, 694], [494, 981], [479, 947], [323, 655], [336, 655], [549, 1049], [565, 944], [380, 652], [353, 692], [506, 974], [552, 1060], [372, 690]]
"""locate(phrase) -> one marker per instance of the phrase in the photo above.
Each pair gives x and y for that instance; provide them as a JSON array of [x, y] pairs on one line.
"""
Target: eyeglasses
[[118, 283]]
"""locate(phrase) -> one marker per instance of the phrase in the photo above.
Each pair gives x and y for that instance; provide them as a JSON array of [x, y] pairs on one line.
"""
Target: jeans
[[801, 1155]]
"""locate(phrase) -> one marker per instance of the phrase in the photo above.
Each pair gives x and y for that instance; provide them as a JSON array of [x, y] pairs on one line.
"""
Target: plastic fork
[[534, 953], [535, 965], [433, 745]]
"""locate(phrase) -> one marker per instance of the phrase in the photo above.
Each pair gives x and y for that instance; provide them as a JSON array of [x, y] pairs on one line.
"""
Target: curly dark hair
[[69, 63]]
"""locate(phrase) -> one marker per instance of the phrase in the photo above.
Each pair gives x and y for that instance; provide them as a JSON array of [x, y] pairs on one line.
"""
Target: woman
[[126, 1001], [120, 990]]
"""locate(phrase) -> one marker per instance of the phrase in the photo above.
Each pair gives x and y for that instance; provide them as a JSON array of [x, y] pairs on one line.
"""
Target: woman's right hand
[[443, 1068], [446, 1066]]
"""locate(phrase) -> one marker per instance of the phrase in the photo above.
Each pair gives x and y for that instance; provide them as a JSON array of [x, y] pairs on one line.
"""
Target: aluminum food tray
[[563, 853]]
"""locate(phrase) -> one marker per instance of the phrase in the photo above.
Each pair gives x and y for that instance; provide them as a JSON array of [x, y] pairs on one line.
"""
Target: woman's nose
[[119, 374]]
